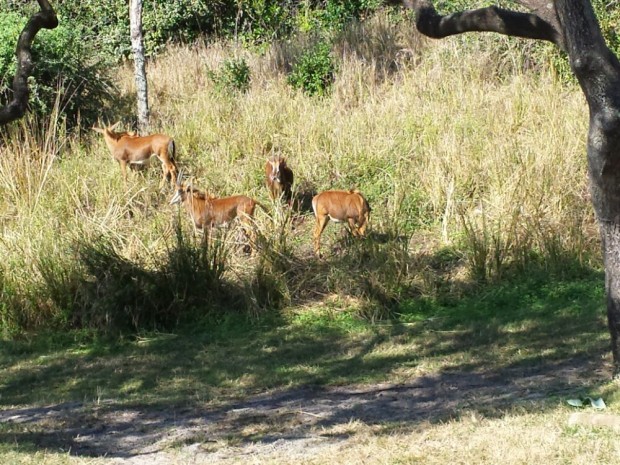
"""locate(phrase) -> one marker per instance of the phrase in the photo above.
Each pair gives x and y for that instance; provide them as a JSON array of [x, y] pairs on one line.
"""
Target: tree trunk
[[598, 72], [572, 25], [137, 46], [16, 108], [610, 236]]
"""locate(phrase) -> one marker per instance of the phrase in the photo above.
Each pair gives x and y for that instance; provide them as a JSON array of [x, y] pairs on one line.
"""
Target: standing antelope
[[339, 206], [129, 149], [279, 178], [207, 211]]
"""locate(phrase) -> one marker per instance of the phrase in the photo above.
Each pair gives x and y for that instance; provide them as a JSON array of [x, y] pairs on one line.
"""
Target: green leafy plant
[[233, 75], [314, 72]]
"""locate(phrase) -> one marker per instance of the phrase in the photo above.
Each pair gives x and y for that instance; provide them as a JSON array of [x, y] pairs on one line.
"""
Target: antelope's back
[[155, 141]]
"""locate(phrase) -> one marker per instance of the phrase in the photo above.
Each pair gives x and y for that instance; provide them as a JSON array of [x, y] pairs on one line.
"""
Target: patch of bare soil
[[297, 421]]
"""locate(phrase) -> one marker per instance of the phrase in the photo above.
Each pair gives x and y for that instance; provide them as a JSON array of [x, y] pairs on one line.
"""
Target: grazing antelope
[[207, 211], [130, 149], [279, 178], [339, 206]]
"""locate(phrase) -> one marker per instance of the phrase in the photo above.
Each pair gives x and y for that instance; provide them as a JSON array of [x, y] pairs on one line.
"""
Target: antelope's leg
[[164, 170], [363, 225], [169, 167], [321, 223], [173, 174], [123, 165], [353, 226], [247, 229]]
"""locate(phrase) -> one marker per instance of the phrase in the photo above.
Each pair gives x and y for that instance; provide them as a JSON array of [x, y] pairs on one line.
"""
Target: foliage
[[259, 21], [609, 19], [75, 57], [11, 25], [107, 23], [67, 73], [333, 14], [314, 72], [232, 75]]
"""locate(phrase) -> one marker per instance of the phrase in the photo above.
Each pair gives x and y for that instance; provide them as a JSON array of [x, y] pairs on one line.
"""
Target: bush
[[333, 14], [314, 73], [233, 75], [118, 294]]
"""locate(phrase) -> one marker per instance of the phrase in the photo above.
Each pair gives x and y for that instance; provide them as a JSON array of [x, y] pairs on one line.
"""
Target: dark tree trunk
[[16, 108], [610, 235], [572, 26]]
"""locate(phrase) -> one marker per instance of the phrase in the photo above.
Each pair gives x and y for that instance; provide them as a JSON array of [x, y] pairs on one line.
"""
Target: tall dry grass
[[461, 144]]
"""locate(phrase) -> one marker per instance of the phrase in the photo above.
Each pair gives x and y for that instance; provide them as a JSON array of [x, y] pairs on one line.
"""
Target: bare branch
[[542, 25], [44, 19]]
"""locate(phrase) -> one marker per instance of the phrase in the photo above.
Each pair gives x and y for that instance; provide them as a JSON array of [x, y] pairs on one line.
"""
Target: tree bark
[[571, 25], [44, 19], [137, 46]]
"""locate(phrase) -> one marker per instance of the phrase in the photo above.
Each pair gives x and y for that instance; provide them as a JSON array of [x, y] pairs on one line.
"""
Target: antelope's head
[[109, 135], [276, 163], [185, 191], [107, 129], [180, 192]]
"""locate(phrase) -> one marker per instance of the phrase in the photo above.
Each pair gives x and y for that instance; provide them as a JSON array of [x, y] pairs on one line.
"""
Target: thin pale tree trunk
[[137, 46]]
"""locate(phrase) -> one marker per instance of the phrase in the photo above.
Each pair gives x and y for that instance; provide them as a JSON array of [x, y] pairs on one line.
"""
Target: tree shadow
[[522, 343], [111, 429]]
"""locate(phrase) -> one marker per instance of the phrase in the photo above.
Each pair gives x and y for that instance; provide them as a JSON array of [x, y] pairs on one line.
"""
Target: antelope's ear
[[99, 130], [113, 127]]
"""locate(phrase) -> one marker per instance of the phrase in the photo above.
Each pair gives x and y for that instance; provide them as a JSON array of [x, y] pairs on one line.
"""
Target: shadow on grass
[[521, 344]]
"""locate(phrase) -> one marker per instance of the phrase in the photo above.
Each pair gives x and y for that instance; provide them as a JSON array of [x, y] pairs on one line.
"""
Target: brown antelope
[[279, 178], [130, 149], [208, 212], [340, 206]]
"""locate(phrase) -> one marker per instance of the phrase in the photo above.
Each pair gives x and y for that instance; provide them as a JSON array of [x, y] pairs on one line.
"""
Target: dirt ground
[[296, 421]]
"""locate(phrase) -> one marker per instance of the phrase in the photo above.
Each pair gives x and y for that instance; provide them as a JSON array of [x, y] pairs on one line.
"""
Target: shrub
[[119, 294], [233, 75], [314, 72]]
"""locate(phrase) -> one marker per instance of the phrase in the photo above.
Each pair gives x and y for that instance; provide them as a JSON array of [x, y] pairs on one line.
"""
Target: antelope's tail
[[172, 150]]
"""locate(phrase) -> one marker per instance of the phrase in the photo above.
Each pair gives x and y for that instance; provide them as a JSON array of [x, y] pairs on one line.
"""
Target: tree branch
[[46, 18], [542, 26]]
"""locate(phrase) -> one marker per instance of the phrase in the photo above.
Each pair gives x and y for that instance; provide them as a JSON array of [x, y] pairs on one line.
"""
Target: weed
[[314, 72], [233, 75]]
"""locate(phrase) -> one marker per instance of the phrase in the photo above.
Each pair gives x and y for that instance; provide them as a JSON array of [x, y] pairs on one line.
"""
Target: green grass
[[536, 327], [521, 323]]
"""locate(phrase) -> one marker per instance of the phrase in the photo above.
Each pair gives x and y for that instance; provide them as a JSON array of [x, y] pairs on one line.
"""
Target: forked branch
[[44, 19]]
